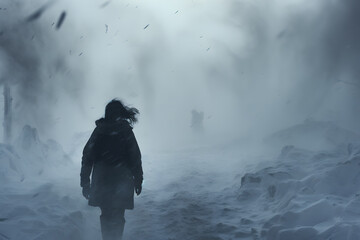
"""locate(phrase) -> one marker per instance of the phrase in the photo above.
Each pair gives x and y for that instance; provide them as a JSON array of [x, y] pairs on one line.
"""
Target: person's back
[[112, 158]]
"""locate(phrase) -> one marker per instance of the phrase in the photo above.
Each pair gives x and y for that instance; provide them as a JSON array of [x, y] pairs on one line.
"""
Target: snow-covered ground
[[208, 193]]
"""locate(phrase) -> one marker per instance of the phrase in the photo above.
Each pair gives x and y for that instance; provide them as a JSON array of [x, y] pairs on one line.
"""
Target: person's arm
[[87, 161], [135, 162]]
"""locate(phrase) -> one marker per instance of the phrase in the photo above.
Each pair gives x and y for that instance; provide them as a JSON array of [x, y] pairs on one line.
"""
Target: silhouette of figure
[[197, 121], [112, 157]]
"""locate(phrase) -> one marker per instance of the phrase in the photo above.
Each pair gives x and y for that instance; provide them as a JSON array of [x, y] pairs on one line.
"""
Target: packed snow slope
[[218, 192]]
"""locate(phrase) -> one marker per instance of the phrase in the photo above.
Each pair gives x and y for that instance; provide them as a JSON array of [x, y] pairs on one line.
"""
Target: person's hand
[[86, 192], [138, 187]]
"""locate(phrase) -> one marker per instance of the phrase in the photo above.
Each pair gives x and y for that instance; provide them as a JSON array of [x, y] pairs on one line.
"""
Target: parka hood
[[105, 126]]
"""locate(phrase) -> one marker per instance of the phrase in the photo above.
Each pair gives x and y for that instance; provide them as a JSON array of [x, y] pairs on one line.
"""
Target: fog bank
[[252, 67]]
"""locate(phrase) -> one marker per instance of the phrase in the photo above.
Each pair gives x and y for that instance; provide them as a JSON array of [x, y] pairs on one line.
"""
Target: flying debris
[[146, 26], [80, 54], [61, 20], [35, 195], [37, 14], [106, 28], [4, 236], [105, 4], [282, 34]]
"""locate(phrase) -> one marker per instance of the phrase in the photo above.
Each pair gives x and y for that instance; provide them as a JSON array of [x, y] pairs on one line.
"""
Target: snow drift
[[29, 156]]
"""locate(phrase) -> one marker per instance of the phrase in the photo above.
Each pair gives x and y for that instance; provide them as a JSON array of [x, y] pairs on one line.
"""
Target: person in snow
[[112, 157]]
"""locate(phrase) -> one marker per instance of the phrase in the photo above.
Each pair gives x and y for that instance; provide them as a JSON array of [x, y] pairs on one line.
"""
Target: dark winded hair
[[116, 110]]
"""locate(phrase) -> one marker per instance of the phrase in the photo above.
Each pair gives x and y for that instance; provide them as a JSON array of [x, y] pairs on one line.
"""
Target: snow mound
[[38, 156], [31, 148], [41, 213], [31, 157], [10, 164], [313, 135], [306, 195]]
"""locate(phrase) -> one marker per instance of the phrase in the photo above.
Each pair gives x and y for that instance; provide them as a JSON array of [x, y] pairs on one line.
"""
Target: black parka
[[112, 157]]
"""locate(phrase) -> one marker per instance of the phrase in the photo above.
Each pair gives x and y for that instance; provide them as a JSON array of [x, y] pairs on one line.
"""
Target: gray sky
[[252, 67]]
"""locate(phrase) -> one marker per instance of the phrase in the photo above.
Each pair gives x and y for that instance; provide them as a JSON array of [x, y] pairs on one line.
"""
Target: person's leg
[[119, 218], [112, 223], [105, 223]]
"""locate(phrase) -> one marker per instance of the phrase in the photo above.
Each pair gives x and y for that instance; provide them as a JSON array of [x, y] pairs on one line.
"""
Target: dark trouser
[[112, 223]]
